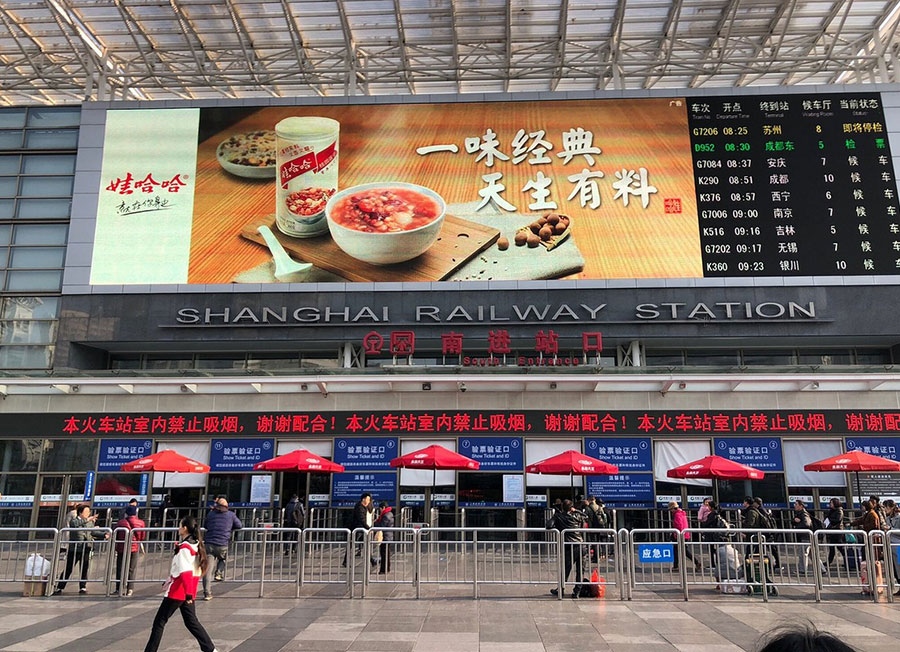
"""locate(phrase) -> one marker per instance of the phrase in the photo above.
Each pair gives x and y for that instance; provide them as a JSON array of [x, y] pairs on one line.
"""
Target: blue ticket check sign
[[628, 453], [656, 553], [365, 453], [763, 453]]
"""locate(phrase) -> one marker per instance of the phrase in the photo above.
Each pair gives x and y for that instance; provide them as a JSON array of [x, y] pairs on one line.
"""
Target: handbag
[[379, 536]]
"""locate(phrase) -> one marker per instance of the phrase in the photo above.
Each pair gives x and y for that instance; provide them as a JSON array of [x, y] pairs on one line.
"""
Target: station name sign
[[661, 311]]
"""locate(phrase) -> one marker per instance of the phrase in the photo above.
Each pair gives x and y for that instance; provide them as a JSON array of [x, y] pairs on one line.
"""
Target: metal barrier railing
[[646, 562], [326, 557], [93, 557], [34, 549]]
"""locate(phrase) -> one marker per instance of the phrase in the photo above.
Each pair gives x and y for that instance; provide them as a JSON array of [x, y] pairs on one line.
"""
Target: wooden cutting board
[[460, 240]]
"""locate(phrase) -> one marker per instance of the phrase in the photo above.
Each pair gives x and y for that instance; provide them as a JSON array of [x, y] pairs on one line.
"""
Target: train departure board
[[794, 185]]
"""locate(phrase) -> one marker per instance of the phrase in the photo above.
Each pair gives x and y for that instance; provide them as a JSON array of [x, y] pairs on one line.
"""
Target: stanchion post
[[888, 566], [560, 564], [475, 563], [57, 548], [262, 570], [417, 561], [817, 571], [682, 563]]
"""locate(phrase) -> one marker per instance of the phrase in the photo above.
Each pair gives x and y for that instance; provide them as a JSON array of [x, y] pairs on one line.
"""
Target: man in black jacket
[[573, 520], [360, 519]]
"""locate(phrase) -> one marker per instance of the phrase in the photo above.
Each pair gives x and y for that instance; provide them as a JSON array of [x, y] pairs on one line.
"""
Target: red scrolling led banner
[[460, 422]]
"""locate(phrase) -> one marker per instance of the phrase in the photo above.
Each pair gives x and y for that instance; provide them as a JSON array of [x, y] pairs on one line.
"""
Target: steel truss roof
[[71, 50]]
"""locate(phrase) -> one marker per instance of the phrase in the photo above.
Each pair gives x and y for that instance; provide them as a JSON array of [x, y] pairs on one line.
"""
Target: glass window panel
[[9, 164], [33, 281], [51, 139], [10, 139], [7, 209], [69, 454], [711, 357], [124, 485], [20, 454], [171, 361], [126, 361], [12, 117], [219, 362], [824, 356], [873, 356], [234, 486], [4, 256], [37, 257], [769, 358], [39, 234], [320, 363], [8, 186], [664, 358], [276, 361], [54, 117], [4, 234], [45, 186], [770, 489], [51, 164], [30, 307], [44, 208], [25, 357], [480, 488], [27, 332]]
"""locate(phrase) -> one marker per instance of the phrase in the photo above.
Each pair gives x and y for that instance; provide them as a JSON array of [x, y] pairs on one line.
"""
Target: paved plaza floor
[[238, 621]]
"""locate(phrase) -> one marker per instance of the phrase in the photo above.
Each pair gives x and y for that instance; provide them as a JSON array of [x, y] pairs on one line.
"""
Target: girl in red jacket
[[188, 565]]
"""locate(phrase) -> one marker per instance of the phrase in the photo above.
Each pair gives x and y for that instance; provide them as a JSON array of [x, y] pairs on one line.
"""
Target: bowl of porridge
[[385, 223], [250, 155]]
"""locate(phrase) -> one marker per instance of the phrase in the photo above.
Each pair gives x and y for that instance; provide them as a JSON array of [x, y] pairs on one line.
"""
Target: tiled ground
[[240, 622]]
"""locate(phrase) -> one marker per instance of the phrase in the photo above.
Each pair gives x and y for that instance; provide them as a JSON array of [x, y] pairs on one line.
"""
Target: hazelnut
[[546, 232], [535, 227], [542, 221], [532, 240], [552, 218], [559, 228], [521, 238], [503, 244]]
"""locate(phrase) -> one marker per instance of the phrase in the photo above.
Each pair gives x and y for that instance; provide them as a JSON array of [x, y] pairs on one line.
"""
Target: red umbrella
[[435, 457], [299, 460], [167, 461], [572, 463], [855, 461], [714, 466]]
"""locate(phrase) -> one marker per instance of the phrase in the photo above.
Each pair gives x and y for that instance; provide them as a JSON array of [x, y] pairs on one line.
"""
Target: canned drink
[[306, 155]]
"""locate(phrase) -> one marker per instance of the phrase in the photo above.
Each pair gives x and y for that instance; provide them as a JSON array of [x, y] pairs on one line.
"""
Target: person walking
[[767, 518], [572, 521], [680, 523], [188, 565], [892, 511], [220, 524], [129, 521], [834, 521], [80, 547], [294, 517], [385, 520], [360, 519], [801, 520]]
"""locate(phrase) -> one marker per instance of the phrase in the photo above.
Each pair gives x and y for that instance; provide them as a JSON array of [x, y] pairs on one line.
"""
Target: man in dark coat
[[360, 519], [294, 517], [572, 521], [385, 520], [220, 523]]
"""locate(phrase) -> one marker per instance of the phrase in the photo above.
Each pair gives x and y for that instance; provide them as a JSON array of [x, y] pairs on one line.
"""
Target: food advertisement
[[487, 191]]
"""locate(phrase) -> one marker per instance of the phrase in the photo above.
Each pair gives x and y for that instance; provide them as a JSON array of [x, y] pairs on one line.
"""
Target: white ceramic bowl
[[246, 171], [386, 248]]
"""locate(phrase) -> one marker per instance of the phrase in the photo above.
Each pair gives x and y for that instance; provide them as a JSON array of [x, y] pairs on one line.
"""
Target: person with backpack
[[803, 520], [834, 521], [572, 521], [129, 521], [295, 518], [188, 565], [768, 520]]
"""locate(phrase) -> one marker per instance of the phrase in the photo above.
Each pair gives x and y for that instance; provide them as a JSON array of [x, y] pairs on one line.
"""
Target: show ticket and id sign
[[239, 454], [494, 453], [365, 453], [116, 452], [759, 452], [346, 488], [628, 453], [622, 489], [888, 447]]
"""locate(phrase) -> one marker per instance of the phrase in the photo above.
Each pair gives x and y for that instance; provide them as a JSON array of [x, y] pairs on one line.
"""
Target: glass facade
[[37, 172]]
